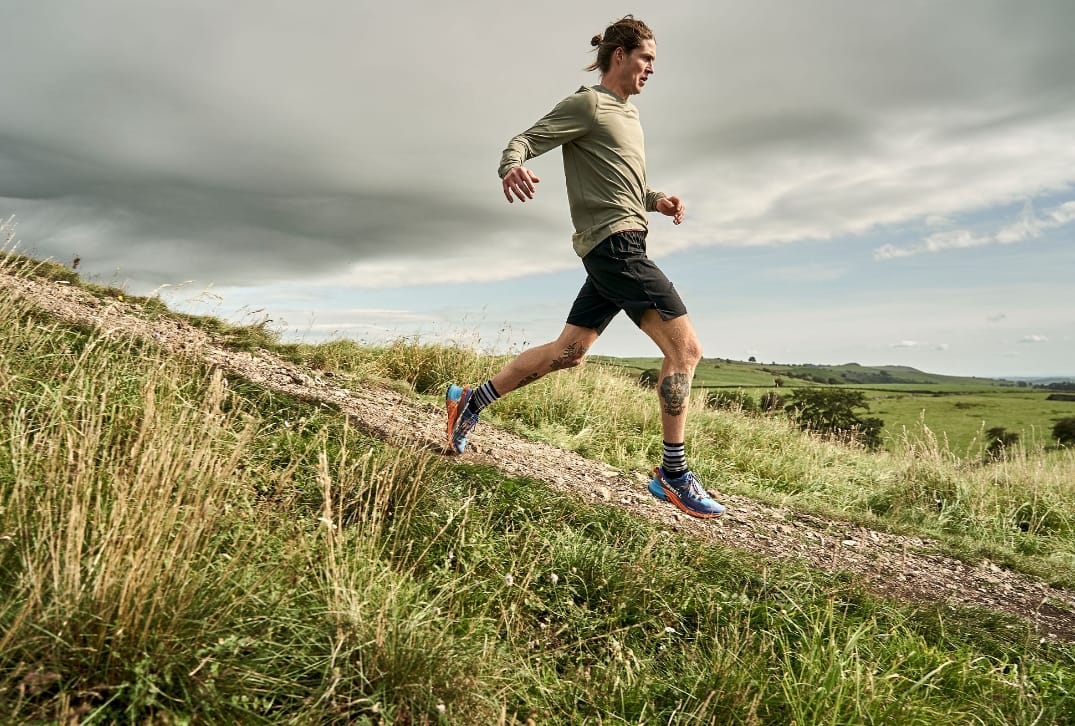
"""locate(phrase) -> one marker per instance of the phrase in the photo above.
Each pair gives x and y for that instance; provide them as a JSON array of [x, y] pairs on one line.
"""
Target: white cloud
[[1029, 226], [1034, 339], [921, 345]]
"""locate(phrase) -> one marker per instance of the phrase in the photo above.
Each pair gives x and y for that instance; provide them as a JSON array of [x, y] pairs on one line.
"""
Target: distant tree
[[649, 377], [771, 401], [731, 400], [778, 382], [1000, 443], [1064, 431], [833, 411], [752, 359]]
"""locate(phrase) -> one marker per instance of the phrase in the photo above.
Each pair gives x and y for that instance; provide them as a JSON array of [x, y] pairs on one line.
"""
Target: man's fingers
[[526, 183], [520, 182], [509, 190]]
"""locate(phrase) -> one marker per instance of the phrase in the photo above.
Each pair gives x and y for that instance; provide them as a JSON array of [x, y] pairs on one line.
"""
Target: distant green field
[[957, 409], [965, 417]]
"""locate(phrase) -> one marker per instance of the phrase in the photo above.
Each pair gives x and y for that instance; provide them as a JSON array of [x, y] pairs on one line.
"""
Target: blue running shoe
[[460, 421], [686, 493]]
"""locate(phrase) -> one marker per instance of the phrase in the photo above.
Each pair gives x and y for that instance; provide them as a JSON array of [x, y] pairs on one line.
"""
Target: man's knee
[[687, 352], [693, 351]]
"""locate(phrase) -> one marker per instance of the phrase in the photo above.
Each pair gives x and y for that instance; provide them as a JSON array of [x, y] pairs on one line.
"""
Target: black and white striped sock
[[482, 397], [675, 460]]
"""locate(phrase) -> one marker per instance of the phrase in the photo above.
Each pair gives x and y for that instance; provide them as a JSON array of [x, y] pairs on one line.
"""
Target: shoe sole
[[657, 490], [671, 496], [454, 411]]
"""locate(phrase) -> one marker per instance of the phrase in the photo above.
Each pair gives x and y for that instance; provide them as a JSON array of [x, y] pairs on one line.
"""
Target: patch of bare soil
[[908, 568]]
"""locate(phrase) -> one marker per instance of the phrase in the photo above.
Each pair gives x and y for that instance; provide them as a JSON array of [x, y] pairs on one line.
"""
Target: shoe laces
[[467, 422], [693, 488]]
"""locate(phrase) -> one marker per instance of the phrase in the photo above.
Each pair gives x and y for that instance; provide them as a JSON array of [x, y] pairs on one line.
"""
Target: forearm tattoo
[[675, 389], [570, 357]]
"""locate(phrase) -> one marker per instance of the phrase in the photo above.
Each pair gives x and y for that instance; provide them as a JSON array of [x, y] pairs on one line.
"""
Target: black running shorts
[[621, 277]]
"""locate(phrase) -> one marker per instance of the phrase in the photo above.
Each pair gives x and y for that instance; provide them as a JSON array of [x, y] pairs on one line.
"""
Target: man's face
[[636, 67]]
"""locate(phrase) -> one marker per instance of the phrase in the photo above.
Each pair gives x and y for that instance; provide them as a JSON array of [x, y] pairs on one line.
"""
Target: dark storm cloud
[[766, 75], [241, 142], [168, 231]]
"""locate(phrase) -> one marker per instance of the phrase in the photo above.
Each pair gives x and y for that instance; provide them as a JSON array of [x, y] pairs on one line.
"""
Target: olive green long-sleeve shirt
[[604, 163]]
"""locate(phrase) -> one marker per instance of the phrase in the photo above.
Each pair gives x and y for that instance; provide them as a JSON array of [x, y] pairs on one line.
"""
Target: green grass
[[959, 415], [720, 372], [964, 418], [176, 547], [958, 410]]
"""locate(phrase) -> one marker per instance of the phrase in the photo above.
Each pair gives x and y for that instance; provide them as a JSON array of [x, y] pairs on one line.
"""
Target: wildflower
[[509, 580], [554, 578]]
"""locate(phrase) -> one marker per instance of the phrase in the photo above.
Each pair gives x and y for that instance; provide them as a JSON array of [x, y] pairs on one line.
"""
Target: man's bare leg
[[567, 351], [682, 351], [465, 404]]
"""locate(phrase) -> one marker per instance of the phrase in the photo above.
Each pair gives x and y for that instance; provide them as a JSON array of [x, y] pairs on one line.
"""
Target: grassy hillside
[[178, 547]]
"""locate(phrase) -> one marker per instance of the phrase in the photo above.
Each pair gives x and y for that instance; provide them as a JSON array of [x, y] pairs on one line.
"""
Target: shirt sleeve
[[652, 198], [573, 117]]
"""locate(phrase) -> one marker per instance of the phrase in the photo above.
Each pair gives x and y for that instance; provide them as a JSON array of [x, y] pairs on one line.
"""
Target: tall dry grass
[[180, 548], [1016, 510], [170, 546]]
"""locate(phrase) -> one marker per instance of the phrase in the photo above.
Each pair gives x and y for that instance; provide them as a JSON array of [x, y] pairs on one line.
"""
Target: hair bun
[[595, 41]]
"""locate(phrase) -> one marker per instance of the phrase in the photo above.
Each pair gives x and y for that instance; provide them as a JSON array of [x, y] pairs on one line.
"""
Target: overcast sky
[[879, 182]]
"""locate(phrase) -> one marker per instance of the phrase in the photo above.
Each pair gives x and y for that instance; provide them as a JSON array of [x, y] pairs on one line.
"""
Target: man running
[[599, 132]]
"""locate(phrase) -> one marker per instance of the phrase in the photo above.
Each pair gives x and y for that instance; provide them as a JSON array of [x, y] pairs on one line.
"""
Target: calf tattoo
[[528, 380], [674, 391], [570, 357]]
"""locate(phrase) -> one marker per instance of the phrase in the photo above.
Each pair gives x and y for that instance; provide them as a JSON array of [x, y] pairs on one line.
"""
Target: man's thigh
[[623, 275], [674, 337]]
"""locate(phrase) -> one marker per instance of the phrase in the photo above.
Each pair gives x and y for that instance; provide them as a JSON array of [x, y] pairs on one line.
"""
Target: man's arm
[[571, 118], [671, 207], [652, 198]]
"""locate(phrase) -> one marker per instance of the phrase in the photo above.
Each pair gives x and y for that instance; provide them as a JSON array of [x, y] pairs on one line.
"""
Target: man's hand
[[671, 207], [521, 181]]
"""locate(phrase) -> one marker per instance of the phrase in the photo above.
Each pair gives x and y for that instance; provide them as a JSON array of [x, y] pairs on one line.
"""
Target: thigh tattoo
[[674, 391]]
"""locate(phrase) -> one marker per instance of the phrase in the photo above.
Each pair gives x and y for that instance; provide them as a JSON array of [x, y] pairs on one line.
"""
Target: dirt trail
[[905, 567]]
